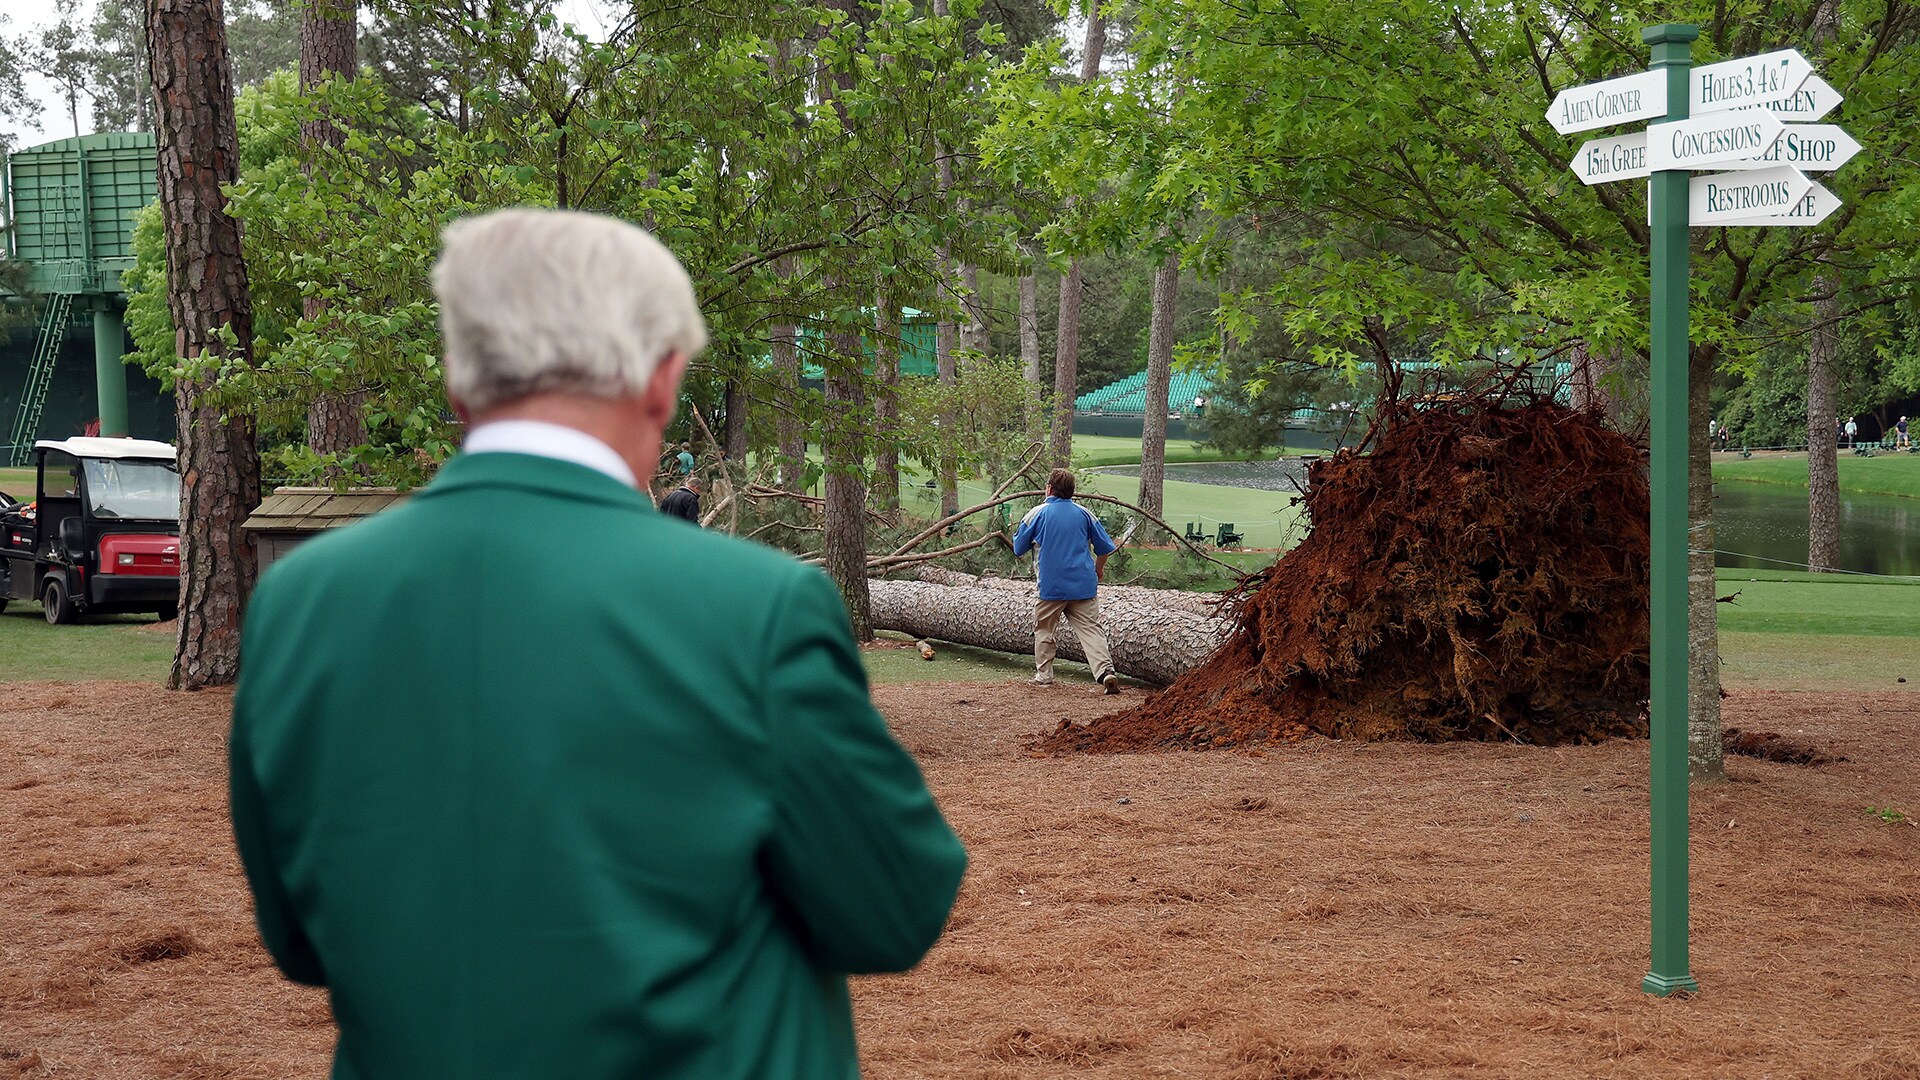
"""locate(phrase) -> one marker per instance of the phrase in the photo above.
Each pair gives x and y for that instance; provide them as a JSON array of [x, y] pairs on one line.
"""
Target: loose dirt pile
[[1474, 572]]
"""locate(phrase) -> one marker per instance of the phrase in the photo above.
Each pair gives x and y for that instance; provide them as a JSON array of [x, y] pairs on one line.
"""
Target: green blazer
[[540, 783]]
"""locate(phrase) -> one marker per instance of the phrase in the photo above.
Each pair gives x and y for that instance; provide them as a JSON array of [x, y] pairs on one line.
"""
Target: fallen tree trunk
[[1150, 641], [1193, 603]]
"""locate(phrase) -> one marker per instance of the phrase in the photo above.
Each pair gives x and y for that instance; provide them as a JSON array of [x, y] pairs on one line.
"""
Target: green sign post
[[1765, 187], [1667, 196]]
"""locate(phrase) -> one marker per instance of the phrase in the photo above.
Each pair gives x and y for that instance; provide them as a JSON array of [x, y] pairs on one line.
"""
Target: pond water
[[1756, 526], [1285, 474], [1764, 526]]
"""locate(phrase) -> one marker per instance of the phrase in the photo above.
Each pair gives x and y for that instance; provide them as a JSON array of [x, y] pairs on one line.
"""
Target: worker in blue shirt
[[1072, 553]]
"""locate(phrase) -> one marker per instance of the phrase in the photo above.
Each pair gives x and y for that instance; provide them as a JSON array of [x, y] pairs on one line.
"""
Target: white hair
[[546, 300]]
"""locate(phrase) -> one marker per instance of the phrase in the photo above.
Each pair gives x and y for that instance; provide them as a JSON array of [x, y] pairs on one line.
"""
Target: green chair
[[1196, 534], [1227, 537]]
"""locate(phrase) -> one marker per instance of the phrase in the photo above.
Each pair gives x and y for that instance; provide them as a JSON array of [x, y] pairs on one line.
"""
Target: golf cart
[[102, 534]]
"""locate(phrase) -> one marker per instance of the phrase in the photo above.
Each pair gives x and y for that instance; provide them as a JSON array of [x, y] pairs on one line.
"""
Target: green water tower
[[71, 203]]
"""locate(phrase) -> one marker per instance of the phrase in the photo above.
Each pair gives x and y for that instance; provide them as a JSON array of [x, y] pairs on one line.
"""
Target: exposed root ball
[[1481, 574]]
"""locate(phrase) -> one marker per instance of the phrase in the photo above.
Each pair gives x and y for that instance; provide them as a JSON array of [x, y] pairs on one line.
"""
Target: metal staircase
[[33, 398]]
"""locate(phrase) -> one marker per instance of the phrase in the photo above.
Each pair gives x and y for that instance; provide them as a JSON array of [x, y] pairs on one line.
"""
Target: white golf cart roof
[[92, 447]]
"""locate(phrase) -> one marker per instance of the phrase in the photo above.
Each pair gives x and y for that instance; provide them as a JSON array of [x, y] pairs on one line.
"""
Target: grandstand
[[1128, 396]]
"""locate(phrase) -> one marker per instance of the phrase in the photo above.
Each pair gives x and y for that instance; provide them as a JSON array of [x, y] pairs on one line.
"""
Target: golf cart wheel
[[169, 613], [60, 609]]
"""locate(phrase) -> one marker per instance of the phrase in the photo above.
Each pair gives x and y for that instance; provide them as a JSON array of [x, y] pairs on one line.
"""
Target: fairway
[[1886, 473], [17, 483]]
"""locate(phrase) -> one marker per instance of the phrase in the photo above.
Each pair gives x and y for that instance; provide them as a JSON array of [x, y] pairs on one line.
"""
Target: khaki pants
[[1084, 617]]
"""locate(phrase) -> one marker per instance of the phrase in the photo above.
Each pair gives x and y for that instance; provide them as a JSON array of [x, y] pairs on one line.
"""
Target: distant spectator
[[684, 501], [1853, 431], [1900, 437], [1713, 434], [1199, 404], [685, 458], [1839, 432]]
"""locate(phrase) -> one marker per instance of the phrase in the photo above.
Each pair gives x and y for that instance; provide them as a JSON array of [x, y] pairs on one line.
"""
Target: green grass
[[17, 483], [1156, 564], [1824, 605], [1818, 662], [103, 647], [1091, 451], [1883, 474]]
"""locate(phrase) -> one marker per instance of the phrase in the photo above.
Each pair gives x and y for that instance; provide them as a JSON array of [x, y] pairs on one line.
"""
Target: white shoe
[[1111, 682], [1038, 681]]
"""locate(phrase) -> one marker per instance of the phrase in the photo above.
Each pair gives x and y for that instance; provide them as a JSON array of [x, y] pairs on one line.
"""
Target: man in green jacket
[[540, 783]]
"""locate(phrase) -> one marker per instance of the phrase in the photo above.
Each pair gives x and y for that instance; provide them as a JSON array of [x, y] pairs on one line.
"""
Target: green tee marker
[[1667, 193]]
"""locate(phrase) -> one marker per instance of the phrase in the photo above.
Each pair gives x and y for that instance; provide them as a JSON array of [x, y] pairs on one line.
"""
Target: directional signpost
[[1712, 141], [1722, 198], [1621, 158], [1731, 118], [1751, 80], [1807, 147], [1604, 104], [1814, 100], [1812, 209]]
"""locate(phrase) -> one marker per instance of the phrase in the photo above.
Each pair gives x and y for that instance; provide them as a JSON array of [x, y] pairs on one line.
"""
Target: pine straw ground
[[1328, 909]]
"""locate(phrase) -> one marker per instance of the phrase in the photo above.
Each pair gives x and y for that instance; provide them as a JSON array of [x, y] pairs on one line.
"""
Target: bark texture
[[1150, 641], [733, 429], [845, 485], [786, 364], [336, 421], [947, 369], [1589, 389], [1704, 743], [1823, 464], [973, 322], [1066, 369], [198, 151], [1153, 438], [1066, 349], [1030, 330], [886, 408]]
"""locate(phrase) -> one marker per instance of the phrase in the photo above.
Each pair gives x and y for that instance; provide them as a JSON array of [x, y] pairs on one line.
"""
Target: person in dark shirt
[[684, 501]]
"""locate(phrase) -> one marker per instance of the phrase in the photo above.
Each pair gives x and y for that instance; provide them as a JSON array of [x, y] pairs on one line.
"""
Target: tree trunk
[[1823, 465], [845, 483], [1030, 331], [973, 322], [886, 410], [1066, 369], [336, 421], [198, 151], [786, 363], [1703, 629], [1153, 439], [1589, 389], [1066, 349], [733, 429], [1037, 409], [1149, 641]]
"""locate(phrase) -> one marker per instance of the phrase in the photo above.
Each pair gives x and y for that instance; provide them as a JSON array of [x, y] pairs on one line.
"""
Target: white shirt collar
[[556, 441]]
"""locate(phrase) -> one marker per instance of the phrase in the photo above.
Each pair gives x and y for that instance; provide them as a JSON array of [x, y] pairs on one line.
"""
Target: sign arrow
[[1641, 96], [1807, 147], [1813, 208], [1621, 158], [1750, 80], [1712, 140], [1732, 198], [1815, 99]]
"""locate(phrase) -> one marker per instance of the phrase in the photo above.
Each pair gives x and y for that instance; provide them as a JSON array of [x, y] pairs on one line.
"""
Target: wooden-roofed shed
[[292, 515]]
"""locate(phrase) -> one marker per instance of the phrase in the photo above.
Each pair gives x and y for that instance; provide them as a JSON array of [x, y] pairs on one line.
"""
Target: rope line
[[1809, 566]]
